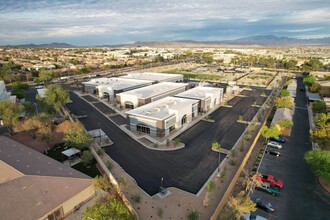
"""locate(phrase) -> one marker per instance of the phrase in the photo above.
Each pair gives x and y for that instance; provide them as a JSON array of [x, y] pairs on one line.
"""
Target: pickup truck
[[266, 187], [270, 179]]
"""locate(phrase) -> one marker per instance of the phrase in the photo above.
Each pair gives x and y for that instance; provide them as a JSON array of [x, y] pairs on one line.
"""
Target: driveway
[[301, 196]]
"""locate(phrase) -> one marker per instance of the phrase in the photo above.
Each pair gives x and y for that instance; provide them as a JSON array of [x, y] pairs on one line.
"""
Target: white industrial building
[[155, 77], [161, 117], [207, 97], [110, 87], [138, 97]]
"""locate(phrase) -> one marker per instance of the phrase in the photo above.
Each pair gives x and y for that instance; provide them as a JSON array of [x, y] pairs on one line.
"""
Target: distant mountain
[[51, 45], [279, 41], [254, 41]]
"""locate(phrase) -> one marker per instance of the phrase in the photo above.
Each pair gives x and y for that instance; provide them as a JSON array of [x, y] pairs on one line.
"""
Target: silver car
[[274, 144]]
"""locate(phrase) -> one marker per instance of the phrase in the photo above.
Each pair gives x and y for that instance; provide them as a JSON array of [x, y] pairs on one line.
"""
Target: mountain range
[[263, 41]]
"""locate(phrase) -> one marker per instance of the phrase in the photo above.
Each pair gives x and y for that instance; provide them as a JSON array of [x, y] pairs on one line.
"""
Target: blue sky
[[93, 22]]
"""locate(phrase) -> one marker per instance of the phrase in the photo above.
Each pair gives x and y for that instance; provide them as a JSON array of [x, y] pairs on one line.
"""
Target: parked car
[[279, 139], [273, 152], [266, 187], [264, 205], [274, 144], [253, 217], [270, 179]]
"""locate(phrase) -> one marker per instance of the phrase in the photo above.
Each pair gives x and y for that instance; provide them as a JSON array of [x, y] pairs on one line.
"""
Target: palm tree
[[216, 147]]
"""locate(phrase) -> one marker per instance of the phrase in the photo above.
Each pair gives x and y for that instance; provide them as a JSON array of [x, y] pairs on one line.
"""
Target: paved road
[[30, 96], [187, 168], [301, 197]]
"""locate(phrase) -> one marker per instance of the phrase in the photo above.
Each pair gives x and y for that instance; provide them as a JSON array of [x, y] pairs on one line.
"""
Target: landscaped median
[[244, 155]]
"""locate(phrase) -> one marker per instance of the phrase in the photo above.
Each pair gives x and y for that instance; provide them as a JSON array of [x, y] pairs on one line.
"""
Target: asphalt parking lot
[[301, 196], [90, 98], [118, 119], [225, 130], [104, 108], [188, 168]]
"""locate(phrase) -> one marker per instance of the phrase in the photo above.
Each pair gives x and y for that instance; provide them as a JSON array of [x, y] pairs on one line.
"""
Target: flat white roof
[[116, 83], [156, 77], [41, 92], [199, 92], [70, 152], [160, 109], [154, 90]]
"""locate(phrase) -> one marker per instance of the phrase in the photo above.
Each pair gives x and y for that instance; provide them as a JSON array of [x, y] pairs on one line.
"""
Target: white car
[[253, 217], [274, 144]]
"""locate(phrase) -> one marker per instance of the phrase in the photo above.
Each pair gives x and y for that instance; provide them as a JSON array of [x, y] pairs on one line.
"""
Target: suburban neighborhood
[[164, 133]]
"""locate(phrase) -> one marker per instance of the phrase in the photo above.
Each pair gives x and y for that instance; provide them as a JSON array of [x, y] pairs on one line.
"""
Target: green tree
[[216, 146], [9, 112], [108, 210], [158, 59], [87, 158], [44, 133], [85, 69], [319, 161], [309, 80], [284, 93], [285, 123], [290, 64], [321, 133], [272, 131], [283, 102], [46, 76], [322, 119], [238, 206], [29, 108], [19, 89], [319, 107], [69, 126], [80, 140], [55, 98], [102, 183], [315, 87], [207, 58], [194, 215]]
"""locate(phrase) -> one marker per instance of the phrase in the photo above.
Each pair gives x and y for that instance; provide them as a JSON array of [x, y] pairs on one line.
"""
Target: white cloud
[[300, 30], [69, 18]]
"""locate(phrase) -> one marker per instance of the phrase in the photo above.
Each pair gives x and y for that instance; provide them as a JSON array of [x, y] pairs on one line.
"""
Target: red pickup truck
[[270, 179]]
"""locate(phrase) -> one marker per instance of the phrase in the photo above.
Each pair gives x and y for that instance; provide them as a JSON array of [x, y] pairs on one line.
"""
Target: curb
[[323, 187]]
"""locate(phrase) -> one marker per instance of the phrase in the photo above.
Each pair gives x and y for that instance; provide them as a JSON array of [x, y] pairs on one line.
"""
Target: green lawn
[[56, 154], [189, 75], [92, 171]]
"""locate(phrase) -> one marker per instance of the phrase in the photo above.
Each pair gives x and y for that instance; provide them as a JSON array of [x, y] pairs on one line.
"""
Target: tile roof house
[[36, 186]]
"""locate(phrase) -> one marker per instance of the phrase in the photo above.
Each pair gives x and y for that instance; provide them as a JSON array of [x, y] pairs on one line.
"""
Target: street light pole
[[100, 133], [161, 182], [219, 162]]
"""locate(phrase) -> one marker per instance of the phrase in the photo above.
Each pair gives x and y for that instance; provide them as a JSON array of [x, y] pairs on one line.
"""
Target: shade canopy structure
[[70, 152]]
